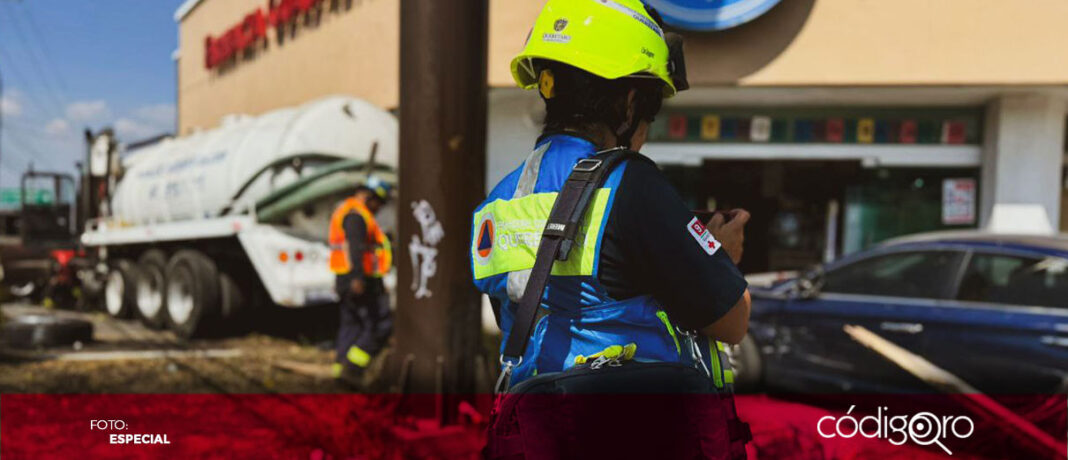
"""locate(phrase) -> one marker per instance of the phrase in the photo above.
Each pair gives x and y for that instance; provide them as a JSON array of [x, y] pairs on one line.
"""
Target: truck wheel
[[119, 291], [150, 287], [192, 293], [231, 304]]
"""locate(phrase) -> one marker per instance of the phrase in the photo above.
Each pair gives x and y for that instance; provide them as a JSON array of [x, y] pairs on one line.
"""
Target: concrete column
[[1023, 156]]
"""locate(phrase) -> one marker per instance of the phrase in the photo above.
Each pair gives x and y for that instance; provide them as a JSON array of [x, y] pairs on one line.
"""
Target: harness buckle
[[695, 353], [588, 164], [504, 381]]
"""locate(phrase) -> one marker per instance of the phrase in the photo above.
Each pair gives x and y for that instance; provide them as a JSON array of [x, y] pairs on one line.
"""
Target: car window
[[1016, 280], [905, 274]]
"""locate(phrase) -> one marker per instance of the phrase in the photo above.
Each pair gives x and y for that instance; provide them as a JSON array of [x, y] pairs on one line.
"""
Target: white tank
[[227, 169]]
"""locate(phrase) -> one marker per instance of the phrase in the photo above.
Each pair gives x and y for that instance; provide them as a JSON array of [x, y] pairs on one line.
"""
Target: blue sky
[[71, 64]]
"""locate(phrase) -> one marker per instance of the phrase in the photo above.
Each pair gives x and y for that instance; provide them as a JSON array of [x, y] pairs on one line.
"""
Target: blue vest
[[578, 317]]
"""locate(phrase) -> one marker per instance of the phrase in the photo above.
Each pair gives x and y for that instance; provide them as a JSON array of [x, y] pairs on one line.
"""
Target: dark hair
[[581, 101]]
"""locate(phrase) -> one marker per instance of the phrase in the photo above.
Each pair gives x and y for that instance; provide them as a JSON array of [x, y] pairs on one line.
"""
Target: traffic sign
[[11, 197], [704, 15]]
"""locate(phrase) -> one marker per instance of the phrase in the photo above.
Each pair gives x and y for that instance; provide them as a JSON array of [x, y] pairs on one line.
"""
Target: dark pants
[[365, 327]]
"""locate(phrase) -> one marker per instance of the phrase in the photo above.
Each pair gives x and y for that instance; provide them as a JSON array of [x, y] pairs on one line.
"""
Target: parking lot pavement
[[126, 357]]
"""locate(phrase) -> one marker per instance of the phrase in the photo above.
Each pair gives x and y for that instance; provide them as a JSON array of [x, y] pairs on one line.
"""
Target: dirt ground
[[125, 357]]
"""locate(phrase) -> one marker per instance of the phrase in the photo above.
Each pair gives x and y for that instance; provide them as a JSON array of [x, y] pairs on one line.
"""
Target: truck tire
[[151, 283], [32, 331], [231, 301], [192, 294], [120, 289], [231, 305]]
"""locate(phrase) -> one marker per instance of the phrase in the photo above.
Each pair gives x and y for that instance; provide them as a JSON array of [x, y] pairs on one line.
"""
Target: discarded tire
[[192, 294], [151, 284], [33, 331]]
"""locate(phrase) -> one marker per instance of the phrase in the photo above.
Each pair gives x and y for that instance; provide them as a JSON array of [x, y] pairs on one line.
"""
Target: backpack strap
[[557, 239]]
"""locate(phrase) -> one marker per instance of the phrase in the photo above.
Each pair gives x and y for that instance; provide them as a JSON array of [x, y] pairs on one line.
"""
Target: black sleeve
[[652, 247], [356, 235]]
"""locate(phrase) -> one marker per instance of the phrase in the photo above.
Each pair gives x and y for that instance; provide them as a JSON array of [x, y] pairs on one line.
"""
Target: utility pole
[[442, 175]]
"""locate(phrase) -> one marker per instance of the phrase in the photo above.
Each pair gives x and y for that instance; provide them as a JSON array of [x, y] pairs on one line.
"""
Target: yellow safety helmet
[[608, 38]]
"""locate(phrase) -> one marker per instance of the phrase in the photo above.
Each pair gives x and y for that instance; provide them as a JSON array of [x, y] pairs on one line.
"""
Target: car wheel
[[32, 331], [748, 365], [150, 285], [119, 289], [192, 293]]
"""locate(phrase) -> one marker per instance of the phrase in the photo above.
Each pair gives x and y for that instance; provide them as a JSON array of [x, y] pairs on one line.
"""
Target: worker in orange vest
[[360, 256]]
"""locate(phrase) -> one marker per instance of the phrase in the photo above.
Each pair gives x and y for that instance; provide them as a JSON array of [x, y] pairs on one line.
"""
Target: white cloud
[[9, 107], [133, 130], [158, 115], [145, 121], [57, 126], [88, 111]]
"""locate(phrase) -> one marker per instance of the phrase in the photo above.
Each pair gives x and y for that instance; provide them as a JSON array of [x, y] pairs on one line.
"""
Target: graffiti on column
[[423, 248]]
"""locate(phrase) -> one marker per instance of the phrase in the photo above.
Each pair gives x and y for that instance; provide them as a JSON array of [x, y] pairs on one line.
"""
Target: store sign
[[704, 15], [958, 201], [252, 29]]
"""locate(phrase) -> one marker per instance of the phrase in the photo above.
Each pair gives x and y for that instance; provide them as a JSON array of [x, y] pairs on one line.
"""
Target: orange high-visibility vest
[[377, 259]]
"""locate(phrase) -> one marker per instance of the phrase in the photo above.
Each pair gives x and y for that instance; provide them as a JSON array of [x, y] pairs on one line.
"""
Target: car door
[[890, 293], [1007, 329]]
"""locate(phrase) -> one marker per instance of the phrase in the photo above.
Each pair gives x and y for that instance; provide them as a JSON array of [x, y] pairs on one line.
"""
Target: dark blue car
[[991, 309]]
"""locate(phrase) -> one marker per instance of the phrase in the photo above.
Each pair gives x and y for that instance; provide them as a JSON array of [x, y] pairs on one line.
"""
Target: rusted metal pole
[[442, 175]]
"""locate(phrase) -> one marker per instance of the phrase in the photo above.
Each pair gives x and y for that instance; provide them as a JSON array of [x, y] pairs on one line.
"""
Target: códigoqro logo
[[922, 429]]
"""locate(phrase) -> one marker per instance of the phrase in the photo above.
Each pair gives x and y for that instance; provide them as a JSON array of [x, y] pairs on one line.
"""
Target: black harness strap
[[557, 239]]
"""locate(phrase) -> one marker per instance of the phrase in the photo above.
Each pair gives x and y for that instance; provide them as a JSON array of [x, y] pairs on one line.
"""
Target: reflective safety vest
[[580, 318], [377, 259]]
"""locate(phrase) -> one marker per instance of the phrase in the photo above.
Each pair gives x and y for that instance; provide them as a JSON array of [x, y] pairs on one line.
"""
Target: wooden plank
[[147, 354], [980, 404], [319, 371]]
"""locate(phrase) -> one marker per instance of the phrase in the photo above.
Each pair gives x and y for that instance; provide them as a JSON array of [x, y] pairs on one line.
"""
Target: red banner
[[370, 426]]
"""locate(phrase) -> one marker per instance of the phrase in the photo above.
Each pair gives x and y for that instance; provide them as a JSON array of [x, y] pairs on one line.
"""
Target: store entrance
[[794, 205], [805, 212]]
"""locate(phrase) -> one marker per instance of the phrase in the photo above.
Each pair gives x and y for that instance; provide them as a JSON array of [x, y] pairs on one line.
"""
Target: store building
[[839, 123]]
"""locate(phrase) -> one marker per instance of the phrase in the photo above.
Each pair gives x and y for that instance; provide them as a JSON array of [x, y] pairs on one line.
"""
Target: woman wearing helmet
[[638, 295]]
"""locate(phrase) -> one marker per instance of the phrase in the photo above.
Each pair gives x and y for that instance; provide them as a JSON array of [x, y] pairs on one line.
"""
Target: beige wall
[[351, 52], [797, 43], [857, 42]]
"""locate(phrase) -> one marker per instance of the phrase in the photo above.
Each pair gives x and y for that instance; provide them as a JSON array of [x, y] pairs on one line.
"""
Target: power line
[[35, 155], [37, 52], [20, 77], [35, 61], [47, 52]]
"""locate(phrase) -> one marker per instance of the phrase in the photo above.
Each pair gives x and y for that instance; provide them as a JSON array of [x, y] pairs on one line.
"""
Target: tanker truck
[[195, 232]]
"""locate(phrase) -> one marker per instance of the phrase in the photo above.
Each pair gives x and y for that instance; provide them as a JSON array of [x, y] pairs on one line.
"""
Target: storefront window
[[896, 202]]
